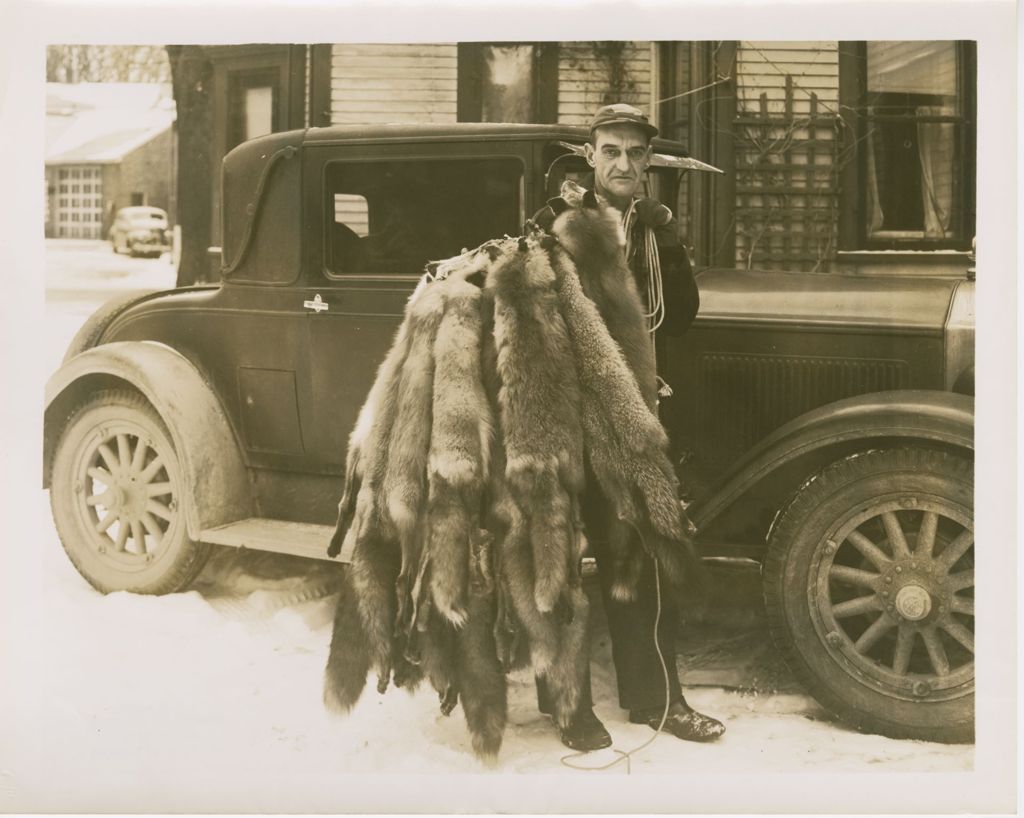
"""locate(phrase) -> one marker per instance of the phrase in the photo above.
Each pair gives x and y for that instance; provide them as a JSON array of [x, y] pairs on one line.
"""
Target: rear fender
[[91, 332], [217, 487], [930, 417]]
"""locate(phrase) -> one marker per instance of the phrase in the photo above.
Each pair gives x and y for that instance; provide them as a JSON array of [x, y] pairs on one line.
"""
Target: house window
[[392, 217], [252, 105], [909, 184], [508, 82]]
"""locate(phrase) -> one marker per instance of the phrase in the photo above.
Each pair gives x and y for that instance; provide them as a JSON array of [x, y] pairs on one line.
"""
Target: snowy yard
[[211, 698]]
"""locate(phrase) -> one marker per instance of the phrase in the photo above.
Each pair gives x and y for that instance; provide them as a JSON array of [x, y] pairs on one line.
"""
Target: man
[[619, 152]]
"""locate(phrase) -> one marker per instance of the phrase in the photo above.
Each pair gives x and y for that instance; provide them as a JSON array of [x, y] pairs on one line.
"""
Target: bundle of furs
[[523, 370]]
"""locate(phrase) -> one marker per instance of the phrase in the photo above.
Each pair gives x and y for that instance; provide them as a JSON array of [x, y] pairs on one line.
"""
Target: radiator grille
[[742, 398]]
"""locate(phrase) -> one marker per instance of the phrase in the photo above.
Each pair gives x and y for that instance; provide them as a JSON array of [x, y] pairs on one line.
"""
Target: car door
[[385, 211]]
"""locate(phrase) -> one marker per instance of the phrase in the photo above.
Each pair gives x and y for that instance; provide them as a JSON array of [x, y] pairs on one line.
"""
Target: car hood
[[824, 299]]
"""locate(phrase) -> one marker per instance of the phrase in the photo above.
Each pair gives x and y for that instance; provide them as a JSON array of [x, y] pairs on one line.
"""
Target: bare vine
[[622, 85]]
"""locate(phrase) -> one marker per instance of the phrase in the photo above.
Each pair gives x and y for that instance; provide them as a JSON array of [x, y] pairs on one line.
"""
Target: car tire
[[869, 591], [117, 497]]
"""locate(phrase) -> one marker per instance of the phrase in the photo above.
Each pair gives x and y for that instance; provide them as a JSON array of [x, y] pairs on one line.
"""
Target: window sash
[[380, 225], [872, 115]]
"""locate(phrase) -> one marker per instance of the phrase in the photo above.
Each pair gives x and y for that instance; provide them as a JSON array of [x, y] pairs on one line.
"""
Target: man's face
[[619, 156]]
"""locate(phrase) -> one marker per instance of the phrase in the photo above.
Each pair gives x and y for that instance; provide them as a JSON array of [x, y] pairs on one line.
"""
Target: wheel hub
[[118, 498], [913, 602], [131, 499]]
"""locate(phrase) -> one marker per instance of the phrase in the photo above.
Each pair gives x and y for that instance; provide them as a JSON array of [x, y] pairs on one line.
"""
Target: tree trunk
[[192, 80]]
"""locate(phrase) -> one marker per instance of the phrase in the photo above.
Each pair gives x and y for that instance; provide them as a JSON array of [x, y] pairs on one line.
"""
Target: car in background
[[824, 423], [140, 231]]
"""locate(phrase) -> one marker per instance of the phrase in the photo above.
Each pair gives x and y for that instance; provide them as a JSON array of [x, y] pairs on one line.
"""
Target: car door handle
[[318, 305]]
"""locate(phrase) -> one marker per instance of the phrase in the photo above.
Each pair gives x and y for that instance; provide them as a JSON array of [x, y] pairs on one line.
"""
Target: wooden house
[[856, 156]]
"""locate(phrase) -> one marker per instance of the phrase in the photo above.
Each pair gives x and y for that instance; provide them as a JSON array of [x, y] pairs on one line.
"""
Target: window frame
[[231, 65], [238, 82], [326, 202], [853, 214], [470, 65]]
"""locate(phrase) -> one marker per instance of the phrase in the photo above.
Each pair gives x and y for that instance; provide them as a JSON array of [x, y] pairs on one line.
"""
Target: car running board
[[279, 536]]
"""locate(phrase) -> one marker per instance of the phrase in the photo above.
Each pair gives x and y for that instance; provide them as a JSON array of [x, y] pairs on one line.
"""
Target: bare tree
[[107, 63], [191, 77]]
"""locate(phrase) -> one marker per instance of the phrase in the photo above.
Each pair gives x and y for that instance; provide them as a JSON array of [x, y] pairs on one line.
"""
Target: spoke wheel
[[117, 498], [894, 595], [869, 585]]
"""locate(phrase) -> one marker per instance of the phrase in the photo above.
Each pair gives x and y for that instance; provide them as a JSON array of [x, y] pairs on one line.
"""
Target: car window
[[392, 217]]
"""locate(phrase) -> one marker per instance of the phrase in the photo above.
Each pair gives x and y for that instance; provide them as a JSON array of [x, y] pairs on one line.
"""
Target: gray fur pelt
[[518, 364]]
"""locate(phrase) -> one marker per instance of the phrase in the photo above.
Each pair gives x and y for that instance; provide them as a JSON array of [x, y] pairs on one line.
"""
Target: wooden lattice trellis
[[786, 187]]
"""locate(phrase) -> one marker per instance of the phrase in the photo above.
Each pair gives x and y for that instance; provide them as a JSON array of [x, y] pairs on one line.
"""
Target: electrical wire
[[626, 755]]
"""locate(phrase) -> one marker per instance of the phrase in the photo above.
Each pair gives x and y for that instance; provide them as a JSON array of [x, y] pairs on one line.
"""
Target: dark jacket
[[679, 289]]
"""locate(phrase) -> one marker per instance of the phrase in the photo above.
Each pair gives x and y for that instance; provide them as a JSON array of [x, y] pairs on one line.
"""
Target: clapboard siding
[[584, 82], [394, 82], [762, 68]]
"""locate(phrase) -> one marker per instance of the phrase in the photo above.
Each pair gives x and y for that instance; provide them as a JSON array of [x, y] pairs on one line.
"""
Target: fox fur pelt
[[520, 367]]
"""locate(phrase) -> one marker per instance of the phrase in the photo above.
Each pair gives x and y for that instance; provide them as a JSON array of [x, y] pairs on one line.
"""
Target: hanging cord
[[626, 755], [655, 288], [655, 292], [652, 263]]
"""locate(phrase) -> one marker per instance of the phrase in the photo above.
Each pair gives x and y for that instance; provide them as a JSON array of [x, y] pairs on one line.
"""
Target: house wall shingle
[[593, 74], [399, 82], [762, 66]]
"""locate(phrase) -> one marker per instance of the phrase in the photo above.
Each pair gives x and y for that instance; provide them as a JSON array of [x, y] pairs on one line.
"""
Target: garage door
[[79, 202]]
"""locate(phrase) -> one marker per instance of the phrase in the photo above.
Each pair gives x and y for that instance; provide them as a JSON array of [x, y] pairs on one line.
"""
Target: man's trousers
[[638, 670]]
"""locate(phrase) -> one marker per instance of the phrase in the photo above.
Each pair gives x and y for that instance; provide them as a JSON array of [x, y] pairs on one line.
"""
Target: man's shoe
[[682, 722], [585, 732]]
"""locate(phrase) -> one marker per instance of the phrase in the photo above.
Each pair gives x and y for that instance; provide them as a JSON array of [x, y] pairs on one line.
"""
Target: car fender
[[91, 332], [943, 418], [217, 487]]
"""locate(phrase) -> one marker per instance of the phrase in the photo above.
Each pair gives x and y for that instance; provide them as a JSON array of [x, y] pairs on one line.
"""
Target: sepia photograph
[[510, 409]]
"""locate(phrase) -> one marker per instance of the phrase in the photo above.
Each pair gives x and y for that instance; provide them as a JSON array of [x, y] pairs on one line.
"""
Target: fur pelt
[[520, 367]]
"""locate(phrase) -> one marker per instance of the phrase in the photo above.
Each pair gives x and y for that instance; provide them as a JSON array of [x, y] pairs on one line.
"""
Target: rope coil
[[655, 314]]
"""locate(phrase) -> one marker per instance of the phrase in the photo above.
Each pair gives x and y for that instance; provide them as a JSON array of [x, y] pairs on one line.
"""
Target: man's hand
[[652, 213]]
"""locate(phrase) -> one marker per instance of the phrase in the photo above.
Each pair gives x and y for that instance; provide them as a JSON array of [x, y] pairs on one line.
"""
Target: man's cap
[[619, 113]]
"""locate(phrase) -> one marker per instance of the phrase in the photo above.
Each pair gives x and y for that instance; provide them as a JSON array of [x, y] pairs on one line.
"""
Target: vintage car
[[140, 231], [823, 422]]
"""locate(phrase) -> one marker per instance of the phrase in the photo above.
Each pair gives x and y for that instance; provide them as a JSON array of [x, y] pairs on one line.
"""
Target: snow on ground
[[81, 274], [214, 696]]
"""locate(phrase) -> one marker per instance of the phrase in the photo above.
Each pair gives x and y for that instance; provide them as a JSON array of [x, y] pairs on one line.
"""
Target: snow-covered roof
[[100, 123]]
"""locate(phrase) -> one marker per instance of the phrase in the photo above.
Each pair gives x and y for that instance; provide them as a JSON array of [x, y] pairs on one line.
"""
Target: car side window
[[392, 217]]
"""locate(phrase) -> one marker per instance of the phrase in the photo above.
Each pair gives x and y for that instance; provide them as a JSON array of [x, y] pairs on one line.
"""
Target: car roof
[[475, 131], [140, 210]]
